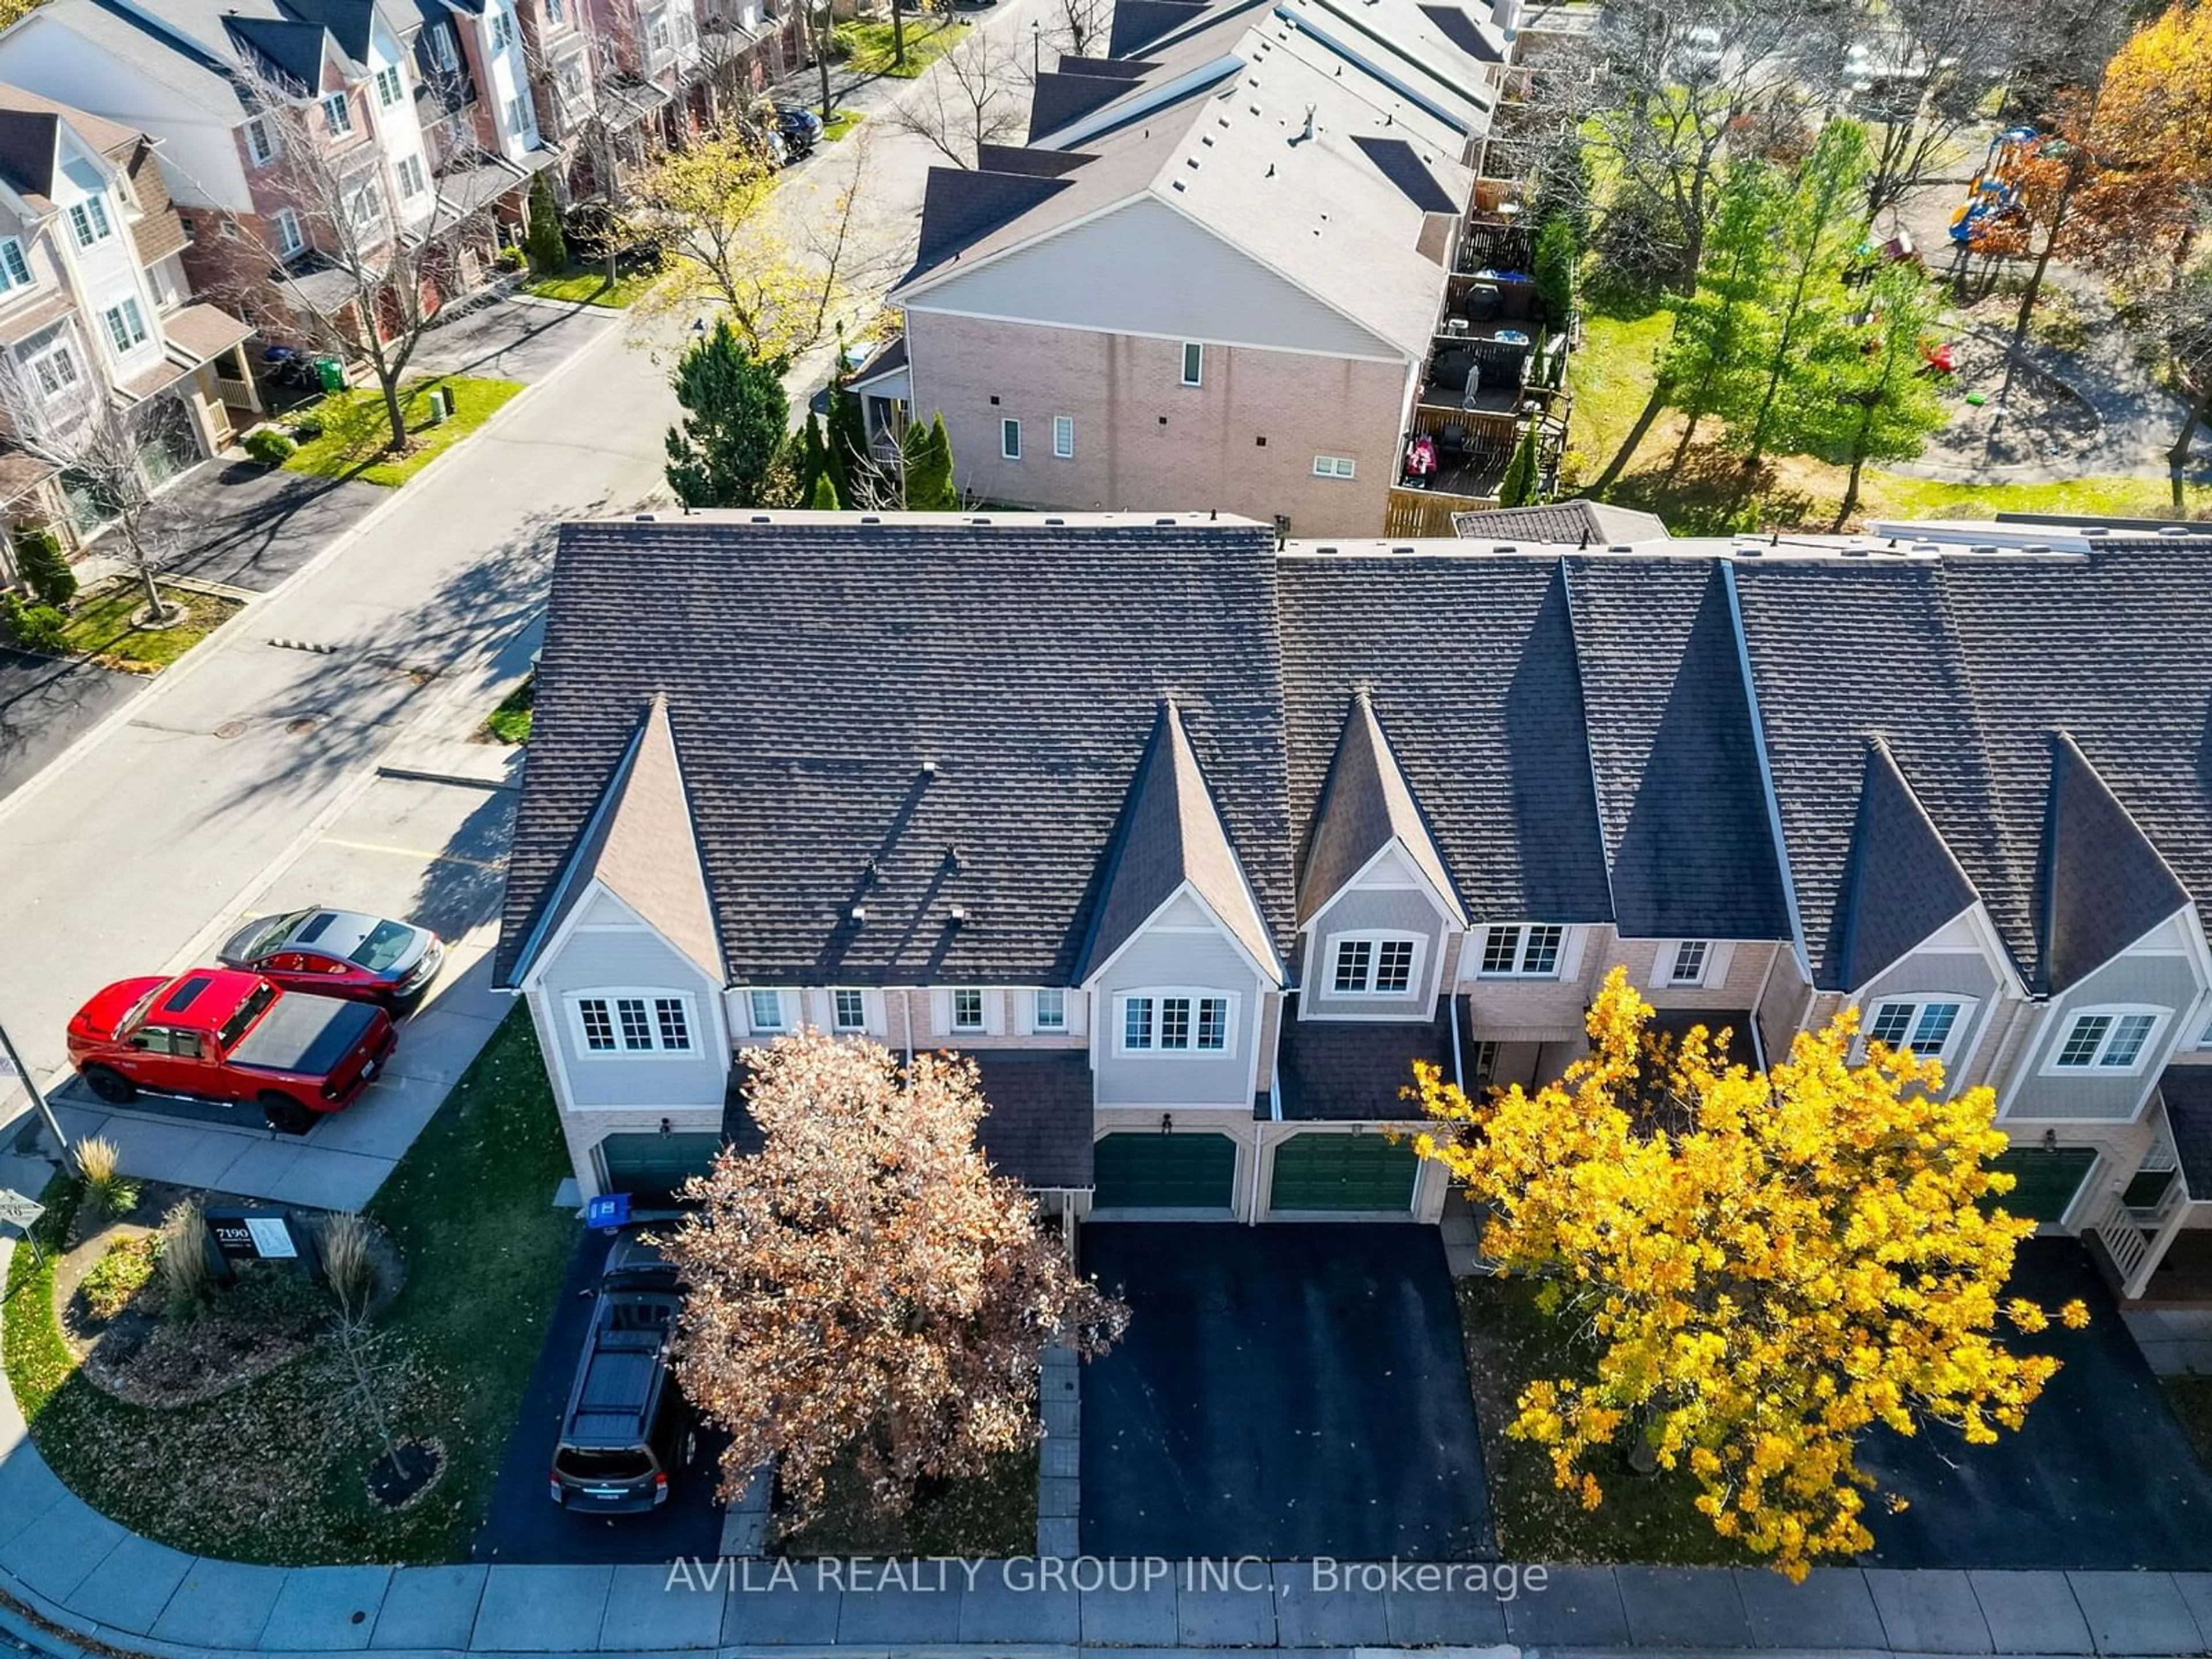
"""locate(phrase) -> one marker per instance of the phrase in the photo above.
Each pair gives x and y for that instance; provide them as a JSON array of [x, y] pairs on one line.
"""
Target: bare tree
[[58, 411], [1919, 74], [1078, 27], [974, 99], [376, 263]]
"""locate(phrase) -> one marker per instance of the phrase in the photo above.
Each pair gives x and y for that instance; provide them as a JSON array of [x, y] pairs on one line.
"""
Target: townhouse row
[[1264, 258], [257, 157], [1196, 843]]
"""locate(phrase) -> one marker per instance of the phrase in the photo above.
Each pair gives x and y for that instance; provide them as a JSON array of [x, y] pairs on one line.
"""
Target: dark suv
[[628, 1427]]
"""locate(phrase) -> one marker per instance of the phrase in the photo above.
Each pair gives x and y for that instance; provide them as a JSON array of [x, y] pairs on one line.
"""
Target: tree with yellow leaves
[[1765, 1265], [864, 1286]]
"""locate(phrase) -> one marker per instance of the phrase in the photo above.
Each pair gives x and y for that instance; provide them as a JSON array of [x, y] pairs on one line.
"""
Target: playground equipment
[[1994, 198]]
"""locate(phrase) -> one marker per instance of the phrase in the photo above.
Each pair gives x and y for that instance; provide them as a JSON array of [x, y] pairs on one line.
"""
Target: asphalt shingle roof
[[1687, 837], [1470, 663], [811, 666], [2102, 885], [2187, 1091], [1365, 805], [1352, 1072], [1171, 834], [1901, 883], [1038, 1128]]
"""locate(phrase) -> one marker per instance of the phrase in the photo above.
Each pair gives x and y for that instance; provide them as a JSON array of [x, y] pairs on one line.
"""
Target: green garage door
[[655, 1165], [2048, 1180], [1149, 1171], [1344, 1172]]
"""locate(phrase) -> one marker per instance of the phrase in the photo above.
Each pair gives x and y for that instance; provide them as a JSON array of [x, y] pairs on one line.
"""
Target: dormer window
[[611, 1023], [1382, 967], [1522, 951], [90, 219], [1174, 1022], [1931, 1027], [2112, 1041]]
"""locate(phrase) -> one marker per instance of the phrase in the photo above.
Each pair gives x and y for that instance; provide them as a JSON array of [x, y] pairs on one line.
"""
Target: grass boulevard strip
[[1024, 1575]]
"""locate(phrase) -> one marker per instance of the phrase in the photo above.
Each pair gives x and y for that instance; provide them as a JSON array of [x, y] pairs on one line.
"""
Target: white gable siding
[[1361, 911], [1957, 972], [1200, 962], [1144, 269], [2135, 978], [634, 957]]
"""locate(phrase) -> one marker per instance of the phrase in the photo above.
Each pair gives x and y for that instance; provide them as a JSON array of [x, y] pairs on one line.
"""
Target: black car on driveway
[[626, 1429]]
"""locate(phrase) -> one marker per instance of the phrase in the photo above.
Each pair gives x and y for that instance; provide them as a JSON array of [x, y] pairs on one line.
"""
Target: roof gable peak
[[2101, 883], [1367, 806]]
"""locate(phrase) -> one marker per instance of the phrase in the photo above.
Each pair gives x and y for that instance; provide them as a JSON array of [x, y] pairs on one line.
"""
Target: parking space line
[[414, 852]]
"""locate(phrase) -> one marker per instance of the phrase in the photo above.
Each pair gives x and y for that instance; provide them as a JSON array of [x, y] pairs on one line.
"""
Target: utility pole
[[15, 1059]]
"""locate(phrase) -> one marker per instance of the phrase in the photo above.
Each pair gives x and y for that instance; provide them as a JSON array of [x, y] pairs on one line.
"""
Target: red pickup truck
[[221, 1035]]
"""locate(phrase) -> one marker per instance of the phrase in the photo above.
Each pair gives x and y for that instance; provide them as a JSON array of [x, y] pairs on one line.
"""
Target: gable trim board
[[1797, 942], [1155, 227]]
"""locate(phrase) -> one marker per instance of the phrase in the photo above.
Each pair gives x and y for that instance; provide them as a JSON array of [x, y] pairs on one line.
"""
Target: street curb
[[180, 673]]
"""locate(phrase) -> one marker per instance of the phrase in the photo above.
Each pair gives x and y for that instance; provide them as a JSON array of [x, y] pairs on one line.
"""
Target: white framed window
[[261, 141], [621, 1023], [54, 368], [1374, 965], [1933, 1027], [290, 238], [656, 31], [764, 1011], [15, 269], [445, 48], [126, 325], [1009, 440], [557, 12], [410, 174], [1063, 437], [338, 114], [2204, 1037], [391, 85], [1194, 363], [2115, 1040], [90, 219], [968, 1008], [849, 1011], [1176, 1022], [364, 205], [1522, 951], [572, 78], [1334, 466], [522, 114], [1048, 1010], [1688, 965], [502, 28]]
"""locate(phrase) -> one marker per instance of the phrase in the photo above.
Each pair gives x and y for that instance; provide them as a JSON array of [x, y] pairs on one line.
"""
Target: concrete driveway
[[427, 851], [250, 527], [525, 1525], [1290, 1390], [2102, 1476]]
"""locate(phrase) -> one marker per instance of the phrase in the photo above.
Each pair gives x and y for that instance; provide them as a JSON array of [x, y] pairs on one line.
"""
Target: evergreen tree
[[929, 486], [848, 438], [38, 555], [1520, 486], [547, 248], [736, 415], [1822, 223], [1871, 388], [1721, 335], [1557, 255], [825, 495], [814, 457]]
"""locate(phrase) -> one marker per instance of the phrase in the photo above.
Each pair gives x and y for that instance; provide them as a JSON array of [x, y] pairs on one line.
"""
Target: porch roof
[[2187, 1091], [1351, 1070]]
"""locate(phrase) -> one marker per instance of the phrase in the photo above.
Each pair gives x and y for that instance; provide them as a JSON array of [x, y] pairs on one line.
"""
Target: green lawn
[[841, 124], [1613, 375], [100, 626], [270, 1472], [510, 721], [356, 429], [587, 285], [993, 1515], [1647, 1518], [867, 47]]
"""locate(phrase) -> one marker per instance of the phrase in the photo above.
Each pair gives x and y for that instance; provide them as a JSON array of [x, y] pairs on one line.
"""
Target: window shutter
[[793, 1005], [1716, 961], [1570, 952], [994, 1010], [814, 1009], [1079, 1013], [1024, 1012], [1662, 964], [940, 1013]]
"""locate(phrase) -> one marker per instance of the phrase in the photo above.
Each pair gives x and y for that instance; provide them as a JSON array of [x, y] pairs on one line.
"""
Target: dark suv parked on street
[[628, 1428]]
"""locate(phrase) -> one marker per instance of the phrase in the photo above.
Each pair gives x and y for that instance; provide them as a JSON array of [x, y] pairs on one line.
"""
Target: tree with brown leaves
[[865, 1287]]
